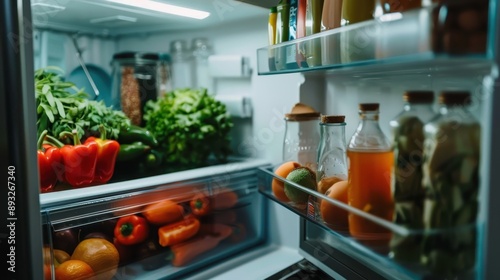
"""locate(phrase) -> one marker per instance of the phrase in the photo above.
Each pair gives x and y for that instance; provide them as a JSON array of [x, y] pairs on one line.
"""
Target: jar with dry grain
[[135, 81]]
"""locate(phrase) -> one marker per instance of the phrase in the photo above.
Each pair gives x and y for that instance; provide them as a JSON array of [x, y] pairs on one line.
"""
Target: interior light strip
[[164, 8]]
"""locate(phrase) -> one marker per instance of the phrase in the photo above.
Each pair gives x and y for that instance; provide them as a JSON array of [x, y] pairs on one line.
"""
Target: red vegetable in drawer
[[163, 212], [211, 235], [200, 204], [224, 198], [131, 230], [177, 232]]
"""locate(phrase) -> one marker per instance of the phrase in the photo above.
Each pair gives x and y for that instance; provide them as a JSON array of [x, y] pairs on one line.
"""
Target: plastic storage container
[[135, 81]]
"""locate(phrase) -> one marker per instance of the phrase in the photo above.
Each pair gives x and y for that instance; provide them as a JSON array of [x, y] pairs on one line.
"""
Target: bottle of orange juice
[[370, 164]]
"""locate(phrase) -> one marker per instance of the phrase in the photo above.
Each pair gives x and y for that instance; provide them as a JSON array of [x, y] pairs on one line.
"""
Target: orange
[[278, 185], [74, 270], [325, 183], [100, 254], [334, 216]]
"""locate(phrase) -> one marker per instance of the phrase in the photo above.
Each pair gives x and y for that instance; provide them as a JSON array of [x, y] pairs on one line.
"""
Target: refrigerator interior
[[332, 91]]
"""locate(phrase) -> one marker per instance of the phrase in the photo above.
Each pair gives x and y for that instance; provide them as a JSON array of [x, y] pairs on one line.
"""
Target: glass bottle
[[312, 47], [354, 11], [451, 180], [332, 167], [271, 29], [370, 160], [282, 32], [391, 6], [358, 44], [407, 129]]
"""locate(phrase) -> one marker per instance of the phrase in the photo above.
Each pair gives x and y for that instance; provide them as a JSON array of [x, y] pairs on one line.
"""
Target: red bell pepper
[[131, 230], [200, 205], [79, 162], [179, 231], [49, 159], [106, 157]]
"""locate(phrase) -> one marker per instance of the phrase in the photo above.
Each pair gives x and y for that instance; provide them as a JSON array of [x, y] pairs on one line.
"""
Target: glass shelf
[[408, 253], [410, 39]]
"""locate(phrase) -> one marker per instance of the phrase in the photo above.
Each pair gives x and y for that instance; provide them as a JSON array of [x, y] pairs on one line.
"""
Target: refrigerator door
[[373, 68], [21, 237]]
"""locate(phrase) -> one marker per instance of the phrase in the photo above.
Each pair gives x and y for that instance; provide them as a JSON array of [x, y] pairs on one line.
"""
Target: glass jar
[[135, 81], [182, 73], [201, 75], [408, 141], [302, 136], [165, 74], [370, 167], [332, 168], [332, 162], [451, 180]]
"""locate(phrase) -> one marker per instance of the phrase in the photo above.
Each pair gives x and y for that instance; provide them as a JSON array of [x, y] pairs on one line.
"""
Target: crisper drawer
[[161, 232], [391, 251]]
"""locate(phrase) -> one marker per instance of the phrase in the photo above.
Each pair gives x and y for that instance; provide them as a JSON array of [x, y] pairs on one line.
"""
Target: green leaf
[[48, 112], [45, 89], [50, 99], [60, 108]]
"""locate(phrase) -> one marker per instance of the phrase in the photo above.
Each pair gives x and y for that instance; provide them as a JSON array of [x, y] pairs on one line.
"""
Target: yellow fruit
[[100, 254], [74, 270], [278, 186], [333, 216]]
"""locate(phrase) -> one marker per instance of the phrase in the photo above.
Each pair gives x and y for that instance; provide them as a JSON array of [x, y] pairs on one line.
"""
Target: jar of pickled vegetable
[[408, 141], [451, 180]]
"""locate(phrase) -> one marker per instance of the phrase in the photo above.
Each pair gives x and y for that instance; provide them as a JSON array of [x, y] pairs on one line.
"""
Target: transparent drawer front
[[164, 232], [389, 249]]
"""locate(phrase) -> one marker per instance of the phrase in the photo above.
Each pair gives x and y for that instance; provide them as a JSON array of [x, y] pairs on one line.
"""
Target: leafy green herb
[[61, 106], [190, 125]]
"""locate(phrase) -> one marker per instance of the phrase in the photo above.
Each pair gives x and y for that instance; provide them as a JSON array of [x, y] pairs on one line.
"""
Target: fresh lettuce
[[190, 125]]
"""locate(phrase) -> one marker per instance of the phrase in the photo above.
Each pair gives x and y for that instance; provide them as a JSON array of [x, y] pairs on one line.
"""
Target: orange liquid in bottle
[[370, 190]]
